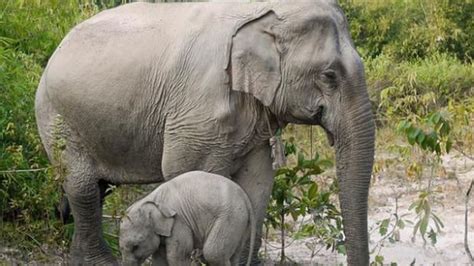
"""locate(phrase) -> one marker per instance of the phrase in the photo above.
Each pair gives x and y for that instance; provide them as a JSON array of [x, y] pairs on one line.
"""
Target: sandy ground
[[387, 187], [449, 249]]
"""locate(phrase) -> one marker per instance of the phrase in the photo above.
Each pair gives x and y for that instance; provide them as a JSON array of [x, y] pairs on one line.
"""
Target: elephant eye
[[329, 74], [329, 77]]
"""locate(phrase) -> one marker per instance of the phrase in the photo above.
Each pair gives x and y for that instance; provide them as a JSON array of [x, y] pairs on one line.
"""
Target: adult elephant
[[144, 92]]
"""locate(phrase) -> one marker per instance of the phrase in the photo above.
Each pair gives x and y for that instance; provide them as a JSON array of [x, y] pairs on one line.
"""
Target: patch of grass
[[409, 30], [417, 87]]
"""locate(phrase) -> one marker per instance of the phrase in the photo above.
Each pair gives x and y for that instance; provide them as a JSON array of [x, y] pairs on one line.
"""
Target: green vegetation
[[418, 58], [409, 30], [296, 195]]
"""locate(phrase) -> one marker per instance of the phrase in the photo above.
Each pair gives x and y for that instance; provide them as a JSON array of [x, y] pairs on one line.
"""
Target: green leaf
[[420, 138], [313, 190], [300, 159], [424, 224], [435, 118], [379, 259], [401, 224], [432, 140], [403, 125], [384, 227], [283, 171], [432, 236], [294, 215], [413, 205], [325, 163], [341, 249], [412, 134], [445, 129]]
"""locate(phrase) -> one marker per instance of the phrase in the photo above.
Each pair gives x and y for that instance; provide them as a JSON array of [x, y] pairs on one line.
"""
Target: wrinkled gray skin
[[144, 92], [196, 210]]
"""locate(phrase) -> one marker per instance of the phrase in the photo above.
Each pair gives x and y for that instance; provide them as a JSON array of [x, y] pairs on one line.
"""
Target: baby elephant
[[194, 211]]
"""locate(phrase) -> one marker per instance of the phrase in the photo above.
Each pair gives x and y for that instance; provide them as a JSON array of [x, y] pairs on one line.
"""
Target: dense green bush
[[29, 33], [413, 29], [417, 87]]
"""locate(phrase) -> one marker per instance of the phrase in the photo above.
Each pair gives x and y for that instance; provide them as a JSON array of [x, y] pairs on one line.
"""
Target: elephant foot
[[93, 258], [255, 261]]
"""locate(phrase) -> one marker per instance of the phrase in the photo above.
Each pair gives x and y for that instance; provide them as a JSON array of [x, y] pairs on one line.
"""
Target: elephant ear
[[254, 65], [162, 218]]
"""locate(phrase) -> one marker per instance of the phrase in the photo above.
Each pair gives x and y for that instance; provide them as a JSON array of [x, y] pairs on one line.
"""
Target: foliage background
[[418, 58]]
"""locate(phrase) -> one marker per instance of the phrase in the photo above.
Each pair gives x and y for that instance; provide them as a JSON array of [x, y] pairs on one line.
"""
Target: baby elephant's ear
[[168, 212], [162, 218]]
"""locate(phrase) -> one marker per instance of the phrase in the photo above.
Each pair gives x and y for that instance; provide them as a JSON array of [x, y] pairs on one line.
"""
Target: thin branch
[[36, 242], [23, 170], [466, 244], [111, 217], [463, 153], [395, 225]]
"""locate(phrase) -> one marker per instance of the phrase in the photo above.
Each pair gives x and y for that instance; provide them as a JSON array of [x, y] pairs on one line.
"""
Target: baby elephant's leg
[[222, 242], [179, 245], [159, 257], [235, 259]]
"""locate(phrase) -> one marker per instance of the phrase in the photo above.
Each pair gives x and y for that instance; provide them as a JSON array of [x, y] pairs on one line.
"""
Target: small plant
[[424, 213], [295, 194], [437, 140], [389, 229], [434, 141]]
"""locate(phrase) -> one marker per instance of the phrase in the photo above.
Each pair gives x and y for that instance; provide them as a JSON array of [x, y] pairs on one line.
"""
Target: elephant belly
[[126, 157], [122, 147]]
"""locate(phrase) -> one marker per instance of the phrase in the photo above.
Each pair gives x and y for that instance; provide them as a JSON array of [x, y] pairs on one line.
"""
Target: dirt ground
[[449, 249]]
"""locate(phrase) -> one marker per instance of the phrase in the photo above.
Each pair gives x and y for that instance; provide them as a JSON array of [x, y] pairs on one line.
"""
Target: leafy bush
[[410, 30], [29, 191], [417, 87], [296, 194]]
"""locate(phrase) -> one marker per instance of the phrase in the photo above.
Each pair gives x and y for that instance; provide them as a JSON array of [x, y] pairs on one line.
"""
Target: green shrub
[[413, 29], [417, 87], [29, 191], [29, 33]]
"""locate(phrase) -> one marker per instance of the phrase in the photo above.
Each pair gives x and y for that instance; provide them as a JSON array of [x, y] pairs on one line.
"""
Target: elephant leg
[[223, 240], [179, 245], [159, 257], [256, 178], [83, 193], [235, 259]]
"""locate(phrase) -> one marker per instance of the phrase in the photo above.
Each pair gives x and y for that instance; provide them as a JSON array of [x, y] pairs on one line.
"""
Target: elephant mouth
[[329, 136], [319, 120]]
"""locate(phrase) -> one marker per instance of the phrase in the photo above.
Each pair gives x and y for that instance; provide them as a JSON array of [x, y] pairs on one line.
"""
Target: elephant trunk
[[130, 262], [128, 259], [354, 139]]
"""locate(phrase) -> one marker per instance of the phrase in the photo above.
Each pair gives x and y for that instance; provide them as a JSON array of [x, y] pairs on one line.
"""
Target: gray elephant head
[[141, 229], [303, 66]]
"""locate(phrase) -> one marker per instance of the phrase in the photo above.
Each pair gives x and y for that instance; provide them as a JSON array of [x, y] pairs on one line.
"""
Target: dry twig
[[466, 244], [23, 170]]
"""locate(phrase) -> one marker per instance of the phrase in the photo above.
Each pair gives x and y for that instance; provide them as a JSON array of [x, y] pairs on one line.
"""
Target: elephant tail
[[253, 230]]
